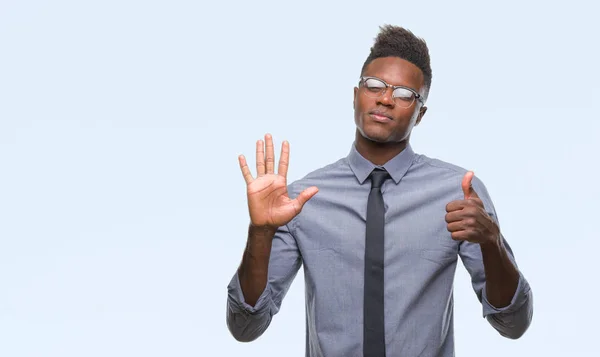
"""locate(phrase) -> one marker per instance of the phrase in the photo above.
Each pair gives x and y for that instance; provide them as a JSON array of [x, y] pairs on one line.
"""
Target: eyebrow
[[395, 85]]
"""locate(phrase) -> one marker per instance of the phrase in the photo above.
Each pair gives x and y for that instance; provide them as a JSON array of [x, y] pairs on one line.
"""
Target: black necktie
[[374, 330]]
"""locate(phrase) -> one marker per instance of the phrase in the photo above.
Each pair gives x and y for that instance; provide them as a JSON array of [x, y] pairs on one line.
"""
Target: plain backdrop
[[123, 213]]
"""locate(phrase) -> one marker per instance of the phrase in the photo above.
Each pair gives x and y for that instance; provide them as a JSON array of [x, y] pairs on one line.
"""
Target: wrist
[[491, 243], [262, 231], [259, 241]]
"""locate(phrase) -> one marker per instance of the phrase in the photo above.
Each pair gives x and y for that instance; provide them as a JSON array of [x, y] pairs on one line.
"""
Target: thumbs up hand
[[467, 219]]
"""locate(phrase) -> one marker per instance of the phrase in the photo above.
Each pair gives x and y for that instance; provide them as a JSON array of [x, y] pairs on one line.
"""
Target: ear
[[422, 112], [354, 98]]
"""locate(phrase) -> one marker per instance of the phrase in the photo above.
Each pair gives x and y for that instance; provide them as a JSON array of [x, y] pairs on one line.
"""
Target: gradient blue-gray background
[[122, 208]]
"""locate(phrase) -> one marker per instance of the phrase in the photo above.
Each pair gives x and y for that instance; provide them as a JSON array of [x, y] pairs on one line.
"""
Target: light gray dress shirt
[[328, 239]]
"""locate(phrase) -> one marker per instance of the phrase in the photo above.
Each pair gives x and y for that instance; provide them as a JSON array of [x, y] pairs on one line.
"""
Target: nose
[[386, 98]]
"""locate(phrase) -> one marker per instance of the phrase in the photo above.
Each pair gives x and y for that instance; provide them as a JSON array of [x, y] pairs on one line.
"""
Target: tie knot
[[378, 176]]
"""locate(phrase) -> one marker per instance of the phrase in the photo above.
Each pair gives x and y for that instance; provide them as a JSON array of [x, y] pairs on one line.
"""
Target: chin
[[378, 136]]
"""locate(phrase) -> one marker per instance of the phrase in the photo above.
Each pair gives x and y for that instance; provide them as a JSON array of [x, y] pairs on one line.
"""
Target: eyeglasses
[[403, 96]]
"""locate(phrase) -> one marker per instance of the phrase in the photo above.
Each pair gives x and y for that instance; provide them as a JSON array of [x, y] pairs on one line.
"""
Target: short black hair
[[396, 41]]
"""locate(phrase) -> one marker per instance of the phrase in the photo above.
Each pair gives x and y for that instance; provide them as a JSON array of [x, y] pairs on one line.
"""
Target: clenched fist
[[467, 219]]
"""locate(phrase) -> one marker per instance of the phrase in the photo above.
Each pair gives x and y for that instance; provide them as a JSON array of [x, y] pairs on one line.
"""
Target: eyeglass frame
[[418, 96]]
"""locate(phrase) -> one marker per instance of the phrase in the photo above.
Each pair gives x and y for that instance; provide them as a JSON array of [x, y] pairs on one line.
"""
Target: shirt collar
[[396, 167]]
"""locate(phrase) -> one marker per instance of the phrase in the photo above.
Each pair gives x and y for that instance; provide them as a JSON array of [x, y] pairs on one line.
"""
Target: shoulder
[[439, 166], [444, 172], [323, 176]]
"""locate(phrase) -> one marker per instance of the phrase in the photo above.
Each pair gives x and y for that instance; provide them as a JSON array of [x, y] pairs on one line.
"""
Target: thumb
[[467, 185], [304, 196]]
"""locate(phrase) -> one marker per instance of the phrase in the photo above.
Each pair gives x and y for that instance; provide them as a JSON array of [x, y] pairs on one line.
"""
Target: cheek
[[405, 122], [362, 103], [407, 116], [359, 108]]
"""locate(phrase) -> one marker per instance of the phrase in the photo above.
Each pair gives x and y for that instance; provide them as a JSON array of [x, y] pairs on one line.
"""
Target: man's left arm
[[504, 292]]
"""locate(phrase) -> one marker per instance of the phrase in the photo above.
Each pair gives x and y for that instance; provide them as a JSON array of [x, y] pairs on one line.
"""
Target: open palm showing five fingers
[[268, 200]]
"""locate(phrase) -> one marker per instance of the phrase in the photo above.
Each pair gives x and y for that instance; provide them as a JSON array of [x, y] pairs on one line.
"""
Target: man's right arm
[[269, 265]]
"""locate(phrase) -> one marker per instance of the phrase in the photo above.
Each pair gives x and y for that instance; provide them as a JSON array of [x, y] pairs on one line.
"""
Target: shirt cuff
[[518, 299], [237, 296]]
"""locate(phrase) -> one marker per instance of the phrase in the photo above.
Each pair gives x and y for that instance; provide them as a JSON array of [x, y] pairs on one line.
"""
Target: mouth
[[380, 116]]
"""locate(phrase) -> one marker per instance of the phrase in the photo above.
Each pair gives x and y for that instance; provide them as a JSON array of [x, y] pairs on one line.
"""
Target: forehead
[[395, 71]]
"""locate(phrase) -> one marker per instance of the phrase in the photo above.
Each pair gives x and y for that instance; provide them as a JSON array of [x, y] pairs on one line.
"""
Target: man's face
[[383, 119]]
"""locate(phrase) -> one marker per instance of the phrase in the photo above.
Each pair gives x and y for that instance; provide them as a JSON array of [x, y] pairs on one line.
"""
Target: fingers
[[461, 235], [455, 226], [454, 216], [245, 169], [260, 158], [471, 223], [455, 205], [265, 158], [458, 205], [469, 234], [304, 196], [284, 159], [270, 154], [462, 225]]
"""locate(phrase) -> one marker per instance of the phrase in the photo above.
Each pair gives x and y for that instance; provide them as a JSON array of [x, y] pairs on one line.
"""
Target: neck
[[378, 153]]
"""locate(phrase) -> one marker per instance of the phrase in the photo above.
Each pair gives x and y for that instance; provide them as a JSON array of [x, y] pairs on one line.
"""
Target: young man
[[379, 232]]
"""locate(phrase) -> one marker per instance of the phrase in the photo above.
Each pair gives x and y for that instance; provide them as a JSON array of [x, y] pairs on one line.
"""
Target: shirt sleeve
[[245, 322], [510, 321]]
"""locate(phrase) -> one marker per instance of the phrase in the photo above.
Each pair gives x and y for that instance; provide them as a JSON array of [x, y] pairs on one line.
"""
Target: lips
[[380, 116]]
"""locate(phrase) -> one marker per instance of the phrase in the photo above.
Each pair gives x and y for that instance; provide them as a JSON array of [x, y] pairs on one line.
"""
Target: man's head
[[400, 59]]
